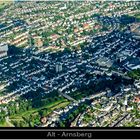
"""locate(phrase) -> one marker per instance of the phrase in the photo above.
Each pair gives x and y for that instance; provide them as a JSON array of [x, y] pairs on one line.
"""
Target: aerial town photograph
[[69, 63]]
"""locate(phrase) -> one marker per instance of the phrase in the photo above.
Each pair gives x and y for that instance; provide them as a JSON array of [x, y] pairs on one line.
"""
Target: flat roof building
[[3, 49]]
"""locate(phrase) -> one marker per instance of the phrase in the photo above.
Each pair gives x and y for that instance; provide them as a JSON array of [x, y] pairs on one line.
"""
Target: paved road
[[118, 122], [68, 97], [8, 122], [121, 74]]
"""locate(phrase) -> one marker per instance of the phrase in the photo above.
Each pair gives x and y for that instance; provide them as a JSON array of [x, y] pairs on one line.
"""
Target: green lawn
[[50, 107], [135, 74], [5, 124]]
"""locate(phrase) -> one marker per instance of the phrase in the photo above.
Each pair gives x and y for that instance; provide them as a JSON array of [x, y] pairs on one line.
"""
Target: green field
[[50, 107], [34, 112]]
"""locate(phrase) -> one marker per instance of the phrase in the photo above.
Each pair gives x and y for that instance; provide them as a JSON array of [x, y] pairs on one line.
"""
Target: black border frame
[[95, 133]]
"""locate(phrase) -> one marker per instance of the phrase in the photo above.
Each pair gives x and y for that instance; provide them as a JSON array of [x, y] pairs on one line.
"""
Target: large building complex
[[3, 49]]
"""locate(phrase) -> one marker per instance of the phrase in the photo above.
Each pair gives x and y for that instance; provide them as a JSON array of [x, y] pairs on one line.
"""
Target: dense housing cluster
[[62, 66]]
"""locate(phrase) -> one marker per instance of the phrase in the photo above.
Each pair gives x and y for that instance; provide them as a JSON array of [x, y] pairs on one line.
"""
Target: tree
[[71, 117], [67, 50], [46, 43], [2, 119], [32, 41], [43, 113], [61, 123], [16, 123]]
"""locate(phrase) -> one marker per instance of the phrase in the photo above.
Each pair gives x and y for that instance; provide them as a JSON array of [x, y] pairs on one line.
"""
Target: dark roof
[[137, 96]]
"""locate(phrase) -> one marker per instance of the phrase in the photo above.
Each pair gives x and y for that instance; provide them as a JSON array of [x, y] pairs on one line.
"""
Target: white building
[[3, 49], [58, 67]]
